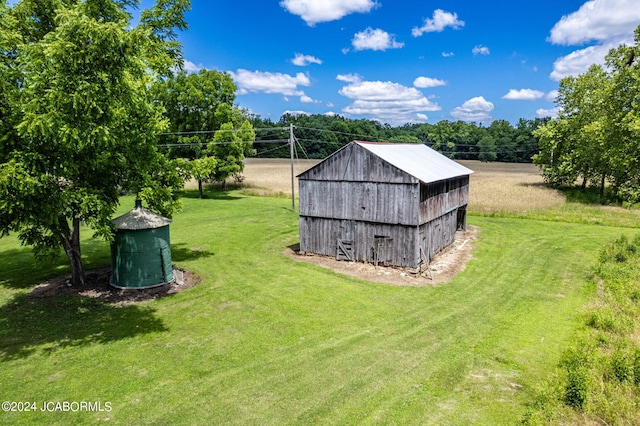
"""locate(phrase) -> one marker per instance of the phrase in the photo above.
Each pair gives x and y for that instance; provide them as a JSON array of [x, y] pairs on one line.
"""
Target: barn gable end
[[354, 164], [397, 204]]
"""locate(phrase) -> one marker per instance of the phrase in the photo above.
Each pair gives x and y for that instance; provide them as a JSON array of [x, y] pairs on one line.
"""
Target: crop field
[[495, 187], [268, 340]]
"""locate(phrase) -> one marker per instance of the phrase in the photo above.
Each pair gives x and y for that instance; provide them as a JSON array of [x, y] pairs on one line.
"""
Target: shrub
[[577, 388], [621, 366], [576, 362]]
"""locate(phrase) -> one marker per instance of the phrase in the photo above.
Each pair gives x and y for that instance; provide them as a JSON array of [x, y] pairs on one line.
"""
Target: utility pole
[[291, 142]]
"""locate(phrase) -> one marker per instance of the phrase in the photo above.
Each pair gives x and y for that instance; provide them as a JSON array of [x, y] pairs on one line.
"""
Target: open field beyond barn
[[268, 340], [495, 187]]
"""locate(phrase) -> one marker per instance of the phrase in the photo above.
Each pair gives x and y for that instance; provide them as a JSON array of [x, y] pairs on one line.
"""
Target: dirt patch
[[443, 267], [97, 287]]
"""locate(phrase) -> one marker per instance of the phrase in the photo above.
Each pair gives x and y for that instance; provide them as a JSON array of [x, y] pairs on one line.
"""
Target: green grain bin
[[140, 252]]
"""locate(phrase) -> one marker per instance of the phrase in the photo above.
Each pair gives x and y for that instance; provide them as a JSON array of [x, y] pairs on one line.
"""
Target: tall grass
[[599, 377]]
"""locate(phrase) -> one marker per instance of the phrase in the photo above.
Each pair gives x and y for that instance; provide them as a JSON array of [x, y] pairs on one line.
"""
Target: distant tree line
[[320, 135]]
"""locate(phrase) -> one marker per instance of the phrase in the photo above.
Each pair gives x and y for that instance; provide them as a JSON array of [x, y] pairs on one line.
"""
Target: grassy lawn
[[268, 340]]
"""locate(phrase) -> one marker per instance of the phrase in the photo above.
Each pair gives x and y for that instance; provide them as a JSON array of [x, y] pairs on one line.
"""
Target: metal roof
[[140, 218], [418, 160]]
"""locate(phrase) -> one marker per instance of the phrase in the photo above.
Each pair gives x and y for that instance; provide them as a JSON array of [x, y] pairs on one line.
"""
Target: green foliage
[[577, 387], [82, 127], [595, 136], [487, 149]]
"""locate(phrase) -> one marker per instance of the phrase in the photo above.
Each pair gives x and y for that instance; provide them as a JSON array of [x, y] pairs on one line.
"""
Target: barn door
[[345, 250], [382, 250], [462, 219], [345, 243]]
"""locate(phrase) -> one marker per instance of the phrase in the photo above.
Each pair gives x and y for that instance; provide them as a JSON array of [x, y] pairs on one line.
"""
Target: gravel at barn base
[[443, 267]]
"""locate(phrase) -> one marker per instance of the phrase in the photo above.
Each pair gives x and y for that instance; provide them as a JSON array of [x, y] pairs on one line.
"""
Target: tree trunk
[[602, 185], [200, 188], [71, 244]]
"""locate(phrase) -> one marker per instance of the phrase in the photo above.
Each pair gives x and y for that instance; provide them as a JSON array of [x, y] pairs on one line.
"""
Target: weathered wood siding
[[321, 235], [355, 164], [439, 198], [438, 234], [362, 201]]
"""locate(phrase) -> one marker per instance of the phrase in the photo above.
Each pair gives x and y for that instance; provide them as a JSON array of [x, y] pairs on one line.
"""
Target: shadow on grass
[[29, 325], [590, 196], [210, 194], [534, 185], [181, 253], [20, 269]]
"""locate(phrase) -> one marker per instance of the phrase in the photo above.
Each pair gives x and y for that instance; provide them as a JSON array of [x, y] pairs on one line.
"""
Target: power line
[[270, 150], [192, 144], [209, 132], [356, 135]]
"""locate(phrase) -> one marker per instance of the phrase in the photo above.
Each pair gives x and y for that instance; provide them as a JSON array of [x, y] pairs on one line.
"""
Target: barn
[[384, 203]]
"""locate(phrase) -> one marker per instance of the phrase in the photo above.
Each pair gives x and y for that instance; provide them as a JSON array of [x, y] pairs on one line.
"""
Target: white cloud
[[481, 50], [375, 40], [476, 109], [608, 23], [578, 62], [553, 112], [295, 112], [308, 100], [426, 82], [268, 82], [598, 20], [189, 66], [448, 54], [349, 78], [315, 11], [379, 91], [386, 101], [304, 60], [438, 23], [552, 95], [523, 95]]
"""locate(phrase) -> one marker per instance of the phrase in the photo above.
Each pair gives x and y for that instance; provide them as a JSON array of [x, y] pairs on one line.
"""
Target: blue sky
[[401, 61]]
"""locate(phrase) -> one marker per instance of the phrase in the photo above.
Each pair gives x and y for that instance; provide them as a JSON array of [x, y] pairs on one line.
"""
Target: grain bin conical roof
[[140, 218]]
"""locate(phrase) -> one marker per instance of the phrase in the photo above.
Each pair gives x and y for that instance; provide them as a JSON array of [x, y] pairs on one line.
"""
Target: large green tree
[[622, 123], [595, 138], [573, 146], [82, 128]]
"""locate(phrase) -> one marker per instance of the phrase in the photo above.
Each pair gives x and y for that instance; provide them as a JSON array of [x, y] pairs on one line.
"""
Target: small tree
[[231, 146], [86, 128], [196, 106]]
